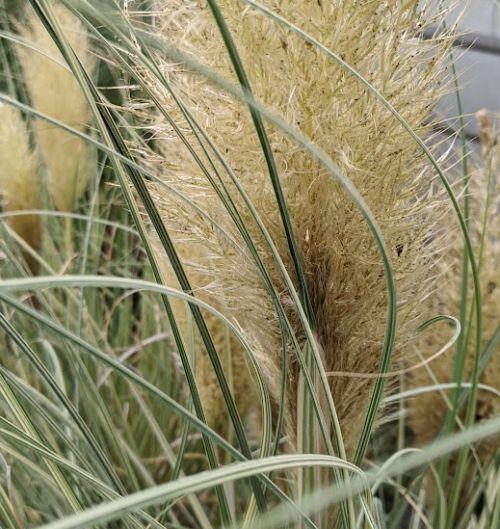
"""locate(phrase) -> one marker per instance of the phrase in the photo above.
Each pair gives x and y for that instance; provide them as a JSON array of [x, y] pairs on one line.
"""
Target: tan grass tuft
[[19, 184], [55, 92], [342, 266]]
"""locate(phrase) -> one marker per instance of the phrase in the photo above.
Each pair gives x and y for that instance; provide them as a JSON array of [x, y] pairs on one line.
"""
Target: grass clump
[[262, 309]]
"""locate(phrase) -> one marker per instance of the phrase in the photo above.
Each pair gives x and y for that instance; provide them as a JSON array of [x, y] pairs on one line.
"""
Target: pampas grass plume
[[342, 266], [18, 176], [427, 411], [55, 92]]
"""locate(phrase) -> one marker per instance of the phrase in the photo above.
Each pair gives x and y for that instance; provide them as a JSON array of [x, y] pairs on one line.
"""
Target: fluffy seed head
[[55, 92], [427, 411], [18, 175], [343, 269]]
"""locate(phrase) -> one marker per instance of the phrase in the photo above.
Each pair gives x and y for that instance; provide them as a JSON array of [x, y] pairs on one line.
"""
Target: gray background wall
[[479, 71]]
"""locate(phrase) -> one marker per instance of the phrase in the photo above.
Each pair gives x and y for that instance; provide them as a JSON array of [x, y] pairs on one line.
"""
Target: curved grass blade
[[191, 484]]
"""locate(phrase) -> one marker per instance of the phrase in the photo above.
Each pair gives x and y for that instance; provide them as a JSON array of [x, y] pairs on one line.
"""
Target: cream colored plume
[[427, 411], [54, 91], [18, 176], [343, 269]]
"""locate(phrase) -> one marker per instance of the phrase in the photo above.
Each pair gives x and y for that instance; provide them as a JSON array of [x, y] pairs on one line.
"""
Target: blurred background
[[477, 56]]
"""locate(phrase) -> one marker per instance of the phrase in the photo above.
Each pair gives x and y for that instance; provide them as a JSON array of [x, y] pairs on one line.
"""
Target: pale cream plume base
[[19, 177], [55, 92]]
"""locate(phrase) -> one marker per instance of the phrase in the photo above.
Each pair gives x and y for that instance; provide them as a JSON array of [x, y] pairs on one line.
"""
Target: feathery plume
[[55, 92], [427, 411], [18, 176], [342, 266]]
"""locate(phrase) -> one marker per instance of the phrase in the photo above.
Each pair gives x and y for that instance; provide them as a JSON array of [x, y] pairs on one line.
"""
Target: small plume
[[19, 184], [427, 411], [342, 266], [54, 91]]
